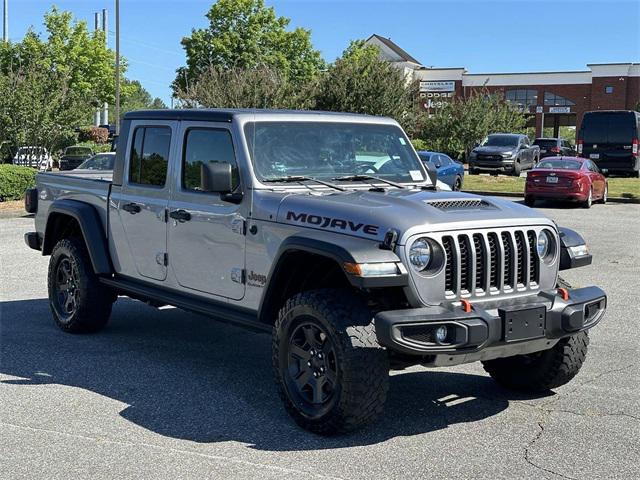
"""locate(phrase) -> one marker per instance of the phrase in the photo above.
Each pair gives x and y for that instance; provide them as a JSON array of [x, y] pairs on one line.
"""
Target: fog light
[[441, 334]]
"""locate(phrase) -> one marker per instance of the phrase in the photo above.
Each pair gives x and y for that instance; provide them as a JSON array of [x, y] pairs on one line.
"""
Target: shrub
[[94, 134], [14, 180]]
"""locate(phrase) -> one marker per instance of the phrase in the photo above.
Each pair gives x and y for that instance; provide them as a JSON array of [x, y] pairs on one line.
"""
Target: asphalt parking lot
[[168, 394]]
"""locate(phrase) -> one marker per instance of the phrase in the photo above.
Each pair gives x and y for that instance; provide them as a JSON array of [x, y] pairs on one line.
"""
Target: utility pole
[[96, 27], [105, 29], [5, 23], [117, 113]]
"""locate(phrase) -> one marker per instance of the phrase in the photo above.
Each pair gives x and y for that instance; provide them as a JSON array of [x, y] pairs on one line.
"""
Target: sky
[[482, 36]]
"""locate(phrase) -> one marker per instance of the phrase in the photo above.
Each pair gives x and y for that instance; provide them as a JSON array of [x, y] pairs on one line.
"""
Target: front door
[[142, 201], [206, 233]]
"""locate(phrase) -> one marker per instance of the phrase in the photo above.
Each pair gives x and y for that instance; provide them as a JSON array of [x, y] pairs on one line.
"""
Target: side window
[[204, 145], [445, 161], [150, 156]]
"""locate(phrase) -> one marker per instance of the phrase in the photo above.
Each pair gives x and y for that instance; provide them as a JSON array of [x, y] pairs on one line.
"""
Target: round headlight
[[544, 244], [420, 254]]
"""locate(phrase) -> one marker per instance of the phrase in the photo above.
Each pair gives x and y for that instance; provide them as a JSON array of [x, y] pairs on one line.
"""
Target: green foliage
[[244, 34], [419, 144], [135, 97], [455, 129], [96, 147], [261, 87], [362, 82], [14, 180]]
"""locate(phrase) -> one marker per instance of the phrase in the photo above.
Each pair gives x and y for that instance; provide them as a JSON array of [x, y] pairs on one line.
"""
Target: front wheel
[[331, 373], [605, 195], [457, 185], [589, 201], [541, 371]]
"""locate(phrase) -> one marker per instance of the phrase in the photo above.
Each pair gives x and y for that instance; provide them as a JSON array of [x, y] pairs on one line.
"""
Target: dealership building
[[552, 99]]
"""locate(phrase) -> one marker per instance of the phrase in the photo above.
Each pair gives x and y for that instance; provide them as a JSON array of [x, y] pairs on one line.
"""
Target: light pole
[[117, 113], [5, 23]]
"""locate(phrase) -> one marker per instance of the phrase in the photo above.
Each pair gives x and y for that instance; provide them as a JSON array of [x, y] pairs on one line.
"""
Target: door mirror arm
[[232, 197]]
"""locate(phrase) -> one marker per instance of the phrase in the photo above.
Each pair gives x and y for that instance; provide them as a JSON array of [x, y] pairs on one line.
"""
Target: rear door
[[141, 203], [207, 243]]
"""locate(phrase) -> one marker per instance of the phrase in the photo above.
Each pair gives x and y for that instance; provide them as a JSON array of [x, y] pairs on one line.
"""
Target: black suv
[[554, 147], [610, 139]]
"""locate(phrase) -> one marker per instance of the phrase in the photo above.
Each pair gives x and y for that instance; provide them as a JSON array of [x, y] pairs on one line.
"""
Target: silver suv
[[325, 231]]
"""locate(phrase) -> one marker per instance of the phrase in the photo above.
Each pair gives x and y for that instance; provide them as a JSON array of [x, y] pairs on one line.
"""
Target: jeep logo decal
[[328, 222]]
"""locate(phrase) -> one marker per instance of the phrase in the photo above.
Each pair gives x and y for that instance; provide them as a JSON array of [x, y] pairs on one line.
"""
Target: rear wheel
[[589, 201], [457, 185], [79, 303], [529, 201], [331, 373]]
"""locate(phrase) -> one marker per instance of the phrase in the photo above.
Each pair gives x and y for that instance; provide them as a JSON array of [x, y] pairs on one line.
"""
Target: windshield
[[329, 150], [98, 162], [500, 141], [77, 151], [560, 164]]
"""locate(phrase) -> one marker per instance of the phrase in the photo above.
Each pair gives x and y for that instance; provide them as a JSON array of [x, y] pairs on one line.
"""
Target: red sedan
[[566, 178]]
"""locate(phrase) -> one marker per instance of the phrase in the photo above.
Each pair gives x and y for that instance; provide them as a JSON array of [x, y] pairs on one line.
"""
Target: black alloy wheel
[[67, 282]]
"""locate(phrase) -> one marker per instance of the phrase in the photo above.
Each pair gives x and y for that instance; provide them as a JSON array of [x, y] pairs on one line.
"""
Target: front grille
[[490, 261], [489, 157]]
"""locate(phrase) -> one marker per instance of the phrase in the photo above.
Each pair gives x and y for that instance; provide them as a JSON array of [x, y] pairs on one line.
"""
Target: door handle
[[180, 215], [132, 208]]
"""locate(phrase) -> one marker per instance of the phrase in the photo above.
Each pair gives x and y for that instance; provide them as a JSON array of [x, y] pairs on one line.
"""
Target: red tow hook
[[564, 293], [466, 306]]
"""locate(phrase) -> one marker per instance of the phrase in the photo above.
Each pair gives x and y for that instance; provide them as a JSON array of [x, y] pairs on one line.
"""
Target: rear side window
[[204, 146], [150, 156]]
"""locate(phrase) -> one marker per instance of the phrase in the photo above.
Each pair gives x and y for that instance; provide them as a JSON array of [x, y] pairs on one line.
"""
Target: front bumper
[[505, 165], [502, 329], [33, 240]]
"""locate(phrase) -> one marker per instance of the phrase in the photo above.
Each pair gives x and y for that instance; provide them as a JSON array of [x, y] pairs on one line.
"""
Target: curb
[[521, 195]]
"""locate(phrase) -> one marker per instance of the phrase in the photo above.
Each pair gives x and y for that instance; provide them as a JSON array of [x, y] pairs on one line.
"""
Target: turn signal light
[[564, 293]]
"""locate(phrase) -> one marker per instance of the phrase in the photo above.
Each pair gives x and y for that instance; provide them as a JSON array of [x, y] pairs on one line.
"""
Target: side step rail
[[217, 310]]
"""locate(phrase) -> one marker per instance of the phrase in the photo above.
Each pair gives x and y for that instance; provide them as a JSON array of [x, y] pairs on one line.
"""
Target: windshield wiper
[[300, 178], [363, 178]]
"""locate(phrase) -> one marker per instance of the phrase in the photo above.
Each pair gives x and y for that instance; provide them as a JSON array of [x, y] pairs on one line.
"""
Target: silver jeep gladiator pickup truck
[[326, 231]]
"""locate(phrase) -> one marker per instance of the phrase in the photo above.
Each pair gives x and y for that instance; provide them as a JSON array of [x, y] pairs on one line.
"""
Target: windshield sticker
[[402, 142], [416, 175]]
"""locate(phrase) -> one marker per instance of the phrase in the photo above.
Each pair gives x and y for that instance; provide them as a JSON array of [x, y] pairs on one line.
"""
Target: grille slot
[[521, 265], [465, 266], [496, 262], [481, 256], [447, 243], [533, 257], [507, 277]]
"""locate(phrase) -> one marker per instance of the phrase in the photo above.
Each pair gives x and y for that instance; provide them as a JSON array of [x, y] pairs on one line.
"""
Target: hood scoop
[[453, 205]]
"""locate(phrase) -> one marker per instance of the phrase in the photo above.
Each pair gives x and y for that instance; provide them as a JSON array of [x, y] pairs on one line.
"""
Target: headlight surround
[[545, 245], [420, 254], [507, 154]]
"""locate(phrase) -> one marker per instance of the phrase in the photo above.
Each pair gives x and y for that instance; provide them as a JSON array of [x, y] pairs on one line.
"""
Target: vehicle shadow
[[187, 377]]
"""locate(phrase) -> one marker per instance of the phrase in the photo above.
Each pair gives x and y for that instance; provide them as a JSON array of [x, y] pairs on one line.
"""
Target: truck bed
[[89, 186]]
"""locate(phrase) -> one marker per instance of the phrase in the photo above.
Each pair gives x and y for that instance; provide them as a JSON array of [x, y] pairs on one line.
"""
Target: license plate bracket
[[523, 324], [552, 179]]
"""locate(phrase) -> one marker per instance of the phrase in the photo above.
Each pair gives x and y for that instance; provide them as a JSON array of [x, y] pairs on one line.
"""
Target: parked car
[[566, 178], [504, 152], [33, 156], [449, 171], [268, 220], [610, 139], [554, 147], [100, 161], [73, 157]]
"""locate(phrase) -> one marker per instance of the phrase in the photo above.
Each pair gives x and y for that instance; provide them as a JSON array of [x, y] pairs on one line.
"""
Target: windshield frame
[[247, 129]]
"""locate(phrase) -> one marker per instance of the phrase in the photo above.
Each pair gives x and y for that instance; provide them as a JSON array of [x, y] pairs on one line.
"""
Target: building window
[[522, 97], [608, 89], [553, 100]]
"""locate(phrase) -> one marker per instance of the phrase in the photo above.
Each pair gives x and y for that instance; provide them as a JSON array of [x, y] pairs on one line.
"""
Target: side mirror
[[216, 177], [432, 173]]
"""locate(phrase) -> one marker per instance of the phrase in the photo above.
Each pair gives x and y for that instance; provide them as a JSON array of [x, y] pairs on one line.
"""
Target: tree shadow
[[187, 377]]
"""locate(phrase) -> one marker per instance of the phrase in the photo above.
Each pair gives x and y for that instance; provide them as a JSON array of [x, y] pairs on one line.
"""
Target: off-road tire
[[362, 366], [93, 300], [542, 371]]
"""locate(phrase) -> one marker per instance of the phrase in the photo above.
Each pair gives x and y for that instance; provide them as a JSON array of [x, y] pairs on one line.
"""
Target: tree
[[236, 87], [244, 34], [456, 128], [136, 97], [362, 82]]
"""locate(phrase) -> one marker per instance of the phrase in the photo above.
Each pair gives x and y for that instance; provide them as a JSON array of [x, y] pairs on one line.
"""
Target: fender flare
[[91, 228], [350, 250], [570, 238]]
